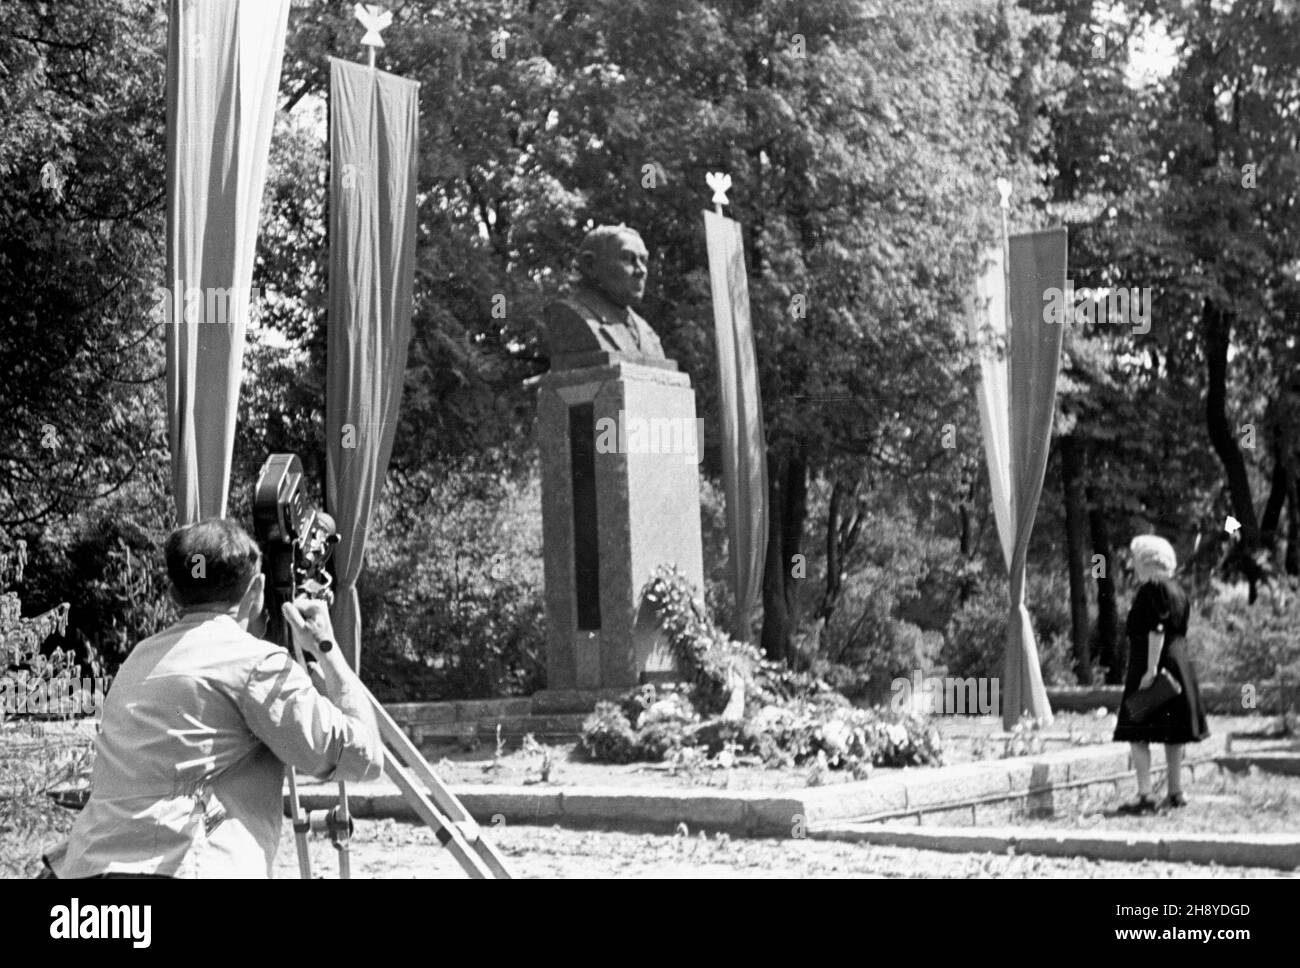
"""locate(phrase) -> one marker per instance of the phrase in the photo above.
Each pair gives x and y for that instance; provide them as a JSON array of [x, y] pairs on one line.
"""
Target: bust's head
[[612, 260]]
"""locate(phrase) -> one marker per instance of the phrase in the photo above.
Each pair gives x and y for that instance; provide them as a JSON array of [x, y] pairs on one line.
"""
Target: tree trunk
[[844, 520], [1076, 512], [1292, 560], [1218, 330], [1272, 516], [834, 560], [964, 508], [1109, 651], [788, 508], [1285, 488], [776, 622]]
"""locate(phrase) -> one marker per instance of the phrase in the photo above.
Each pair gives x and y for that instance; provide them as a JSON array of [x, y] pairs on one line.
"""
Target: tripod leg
[[400, 748], [447, 832], [342, 839], [300, 825]]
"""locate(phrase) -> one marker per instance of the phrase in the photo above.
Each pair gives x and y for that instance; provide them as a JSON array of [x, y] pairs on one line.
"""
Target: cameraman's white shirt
[[203, 717]]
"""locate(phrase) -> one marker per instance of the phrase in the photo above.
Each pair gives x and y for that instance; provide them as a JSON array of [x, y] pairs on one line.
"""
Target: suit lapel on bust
[[624, 336], [610, 337]]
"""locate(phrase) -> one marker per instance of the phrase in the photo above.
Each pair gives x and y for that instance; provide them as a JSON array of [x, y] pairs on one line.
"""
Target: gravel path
[[391, 849]]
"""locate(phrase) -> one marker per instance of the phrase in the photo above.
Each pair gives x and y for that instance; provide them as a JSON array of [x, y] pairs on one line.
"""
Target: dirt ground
[[32, 759], [390, 849]]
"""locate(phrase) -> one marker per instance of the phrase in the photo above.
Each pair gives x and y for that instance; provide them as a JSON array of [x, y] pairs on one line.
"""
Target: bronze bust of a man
[[595, 316]]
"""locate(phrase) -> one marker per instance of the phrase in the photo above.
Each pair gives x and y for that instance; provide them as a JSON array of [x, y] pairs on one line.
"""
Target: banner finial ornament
[[374, 18], [720, 182], [1004, 189]]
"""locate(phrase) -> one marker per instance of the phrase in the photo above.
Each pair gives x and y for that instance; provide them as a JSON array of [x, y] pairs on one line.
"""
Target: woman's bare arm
[[1155, 645]]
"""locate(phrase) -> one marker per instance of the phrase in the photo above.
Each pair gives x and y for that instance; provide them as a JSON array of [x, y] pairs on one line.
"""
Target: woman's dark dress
[[1160, 604]]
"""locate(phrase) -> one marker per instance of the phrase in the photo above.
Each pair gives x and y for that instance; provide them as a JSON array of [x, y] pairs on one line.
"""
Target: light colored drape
[[374, 138], [223, 71], [1019, 365], [744, 447]]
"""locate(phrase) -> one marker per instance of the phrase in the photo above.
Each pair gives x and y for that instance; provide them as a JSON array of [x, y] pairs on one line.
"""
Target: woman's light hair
[[1152, 553]]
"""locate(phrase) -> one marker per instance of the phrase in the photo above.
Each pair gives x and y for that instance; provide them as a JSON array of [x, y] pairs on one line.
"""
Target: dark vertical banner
[[1037, 266], [744, 447], [1017, 397], [223, 71], [374, 140]]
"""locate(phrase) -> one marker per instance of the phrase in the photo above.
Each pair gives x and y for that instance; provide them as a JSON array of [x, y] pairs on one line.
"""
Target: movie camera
[[296, 539]]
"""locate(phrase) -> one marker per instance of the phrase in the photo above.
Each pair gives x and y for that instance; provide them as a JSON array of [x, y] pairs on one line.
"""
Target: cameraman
[[202, 717]]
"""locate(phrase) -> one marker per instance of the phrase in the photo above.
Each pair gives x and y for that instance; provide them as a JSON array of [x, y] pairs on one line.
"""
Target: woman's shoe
[[1142, 805], [1174, 801]]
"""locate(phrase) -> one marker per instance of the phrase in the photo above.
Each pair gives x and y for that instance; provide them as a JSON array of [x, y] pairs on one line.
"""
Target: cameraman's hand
[[309, 621]]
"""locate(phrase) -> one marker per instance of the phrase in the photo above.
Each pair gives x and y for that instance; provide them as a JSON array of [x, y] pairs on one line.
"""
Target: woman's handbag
[[1145, 703]]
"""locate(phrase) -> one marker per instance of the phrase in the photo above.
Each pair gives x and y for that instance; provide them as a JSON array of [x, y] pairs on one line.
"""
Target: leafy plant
[[607, 735], [29, 678], [543, 760], [1025, 738]]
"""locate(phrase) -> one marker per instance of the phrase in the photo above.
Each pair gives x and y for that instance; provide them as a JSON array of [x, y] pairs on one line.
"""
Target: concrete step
[[1270, 761], [1270, 697], [513, 728]]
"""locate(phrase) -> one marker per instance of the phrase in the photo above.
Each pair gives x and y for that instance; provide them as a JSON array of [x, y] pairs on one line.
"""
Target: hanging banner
[[223, 71], [744, 447], [1019, 366], [374, 139]]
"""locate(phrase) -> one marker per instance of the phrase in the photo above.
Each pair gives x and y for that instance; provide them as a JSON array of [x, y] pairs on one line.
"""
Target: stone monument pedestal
[[620, 448]]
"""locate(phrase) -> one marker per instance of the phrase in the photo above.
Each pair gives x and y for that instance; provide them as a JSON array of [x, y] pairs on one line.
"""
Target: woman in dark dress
[[1156, 630]]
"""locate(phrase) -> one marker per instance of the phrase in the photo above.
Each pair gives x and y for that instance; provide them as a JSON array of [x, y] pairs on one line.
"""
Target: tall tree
[[81, 191]]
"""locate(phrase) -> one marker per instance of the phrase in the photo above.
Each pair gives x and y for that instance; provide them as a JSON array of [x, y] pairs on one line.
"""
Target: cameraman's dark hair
[[211, 562]]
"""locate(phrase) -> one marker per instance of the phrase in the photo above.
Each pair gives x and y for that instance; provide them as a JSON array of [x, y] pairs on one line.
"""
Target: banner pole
[[1004, 190]]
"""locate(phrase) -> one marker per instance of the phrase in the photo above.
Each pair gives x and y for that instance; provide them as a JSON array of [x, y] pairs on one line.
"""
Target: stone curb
[[1220, 698], [1278, 851], [761, 813], [650, 809], [1019, 776], [1286, 764]]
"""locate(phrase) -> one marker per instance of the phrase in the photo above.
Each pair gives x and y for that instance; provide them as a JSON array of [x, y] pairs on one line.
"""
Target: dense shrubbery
[[1230, 640], [106, 562], [973, 645], [115, 578], [897, 587], [900, 612], [717, 565], [451, 597]]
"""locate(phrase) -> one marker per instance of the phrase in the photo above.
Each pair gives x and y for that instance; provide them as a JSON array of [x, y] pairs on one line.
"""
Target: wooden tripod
[[435, 805]]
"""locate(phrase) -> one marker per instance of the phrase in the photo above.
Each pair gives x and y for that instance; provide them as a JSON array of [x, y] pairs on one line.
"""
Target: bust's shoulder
[[583, 301], [566, 306]]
